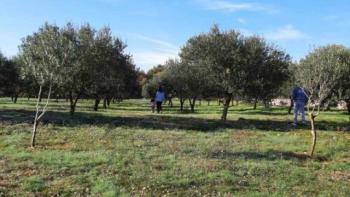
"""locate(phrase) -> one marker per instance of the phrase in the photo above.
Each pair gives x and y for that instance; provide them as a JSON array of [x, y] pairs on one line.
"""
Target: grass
[[128, 151]]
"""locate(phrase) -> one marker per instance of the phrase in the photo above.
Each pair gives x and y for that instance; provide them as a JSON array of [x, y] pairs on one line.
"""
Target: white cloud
[[288, 32], [229, 6], [148, 59]]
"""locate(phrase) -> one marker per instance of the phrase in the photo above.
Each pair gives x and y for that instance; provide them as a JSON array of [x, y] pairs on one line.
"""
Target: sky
[[155, 30]]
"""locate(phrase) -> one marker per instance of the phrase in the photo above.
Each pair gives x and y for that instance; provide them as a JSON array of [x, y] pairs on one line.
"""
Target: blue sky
[[154, 30]]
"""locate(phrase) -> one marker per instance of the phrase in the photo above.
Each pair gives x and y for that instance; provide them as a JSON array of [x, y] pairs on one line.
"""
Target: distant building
[[341, 105], [280, 102]]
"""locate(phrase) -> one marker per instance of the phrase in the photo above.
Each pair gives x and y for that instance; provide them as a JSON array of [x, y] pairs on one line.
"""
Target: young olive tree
[[319, 73], [44, 54]]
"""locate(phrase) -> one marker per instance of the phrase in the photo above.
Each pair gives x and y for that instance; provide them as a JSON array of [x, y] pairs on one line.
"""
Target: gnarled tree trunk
[[227, 101], [314, 136], [97, 102], [73, 102], [105, 103], [15, 98], [38, 114], [255, 103], [108, 101], [291, 106], [192, 103], [182, 104]]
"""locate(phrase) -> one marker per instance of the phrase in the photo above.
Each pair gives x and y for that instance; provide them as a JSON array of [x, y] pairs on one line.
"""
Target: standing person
[[160, 97], [299, 99]]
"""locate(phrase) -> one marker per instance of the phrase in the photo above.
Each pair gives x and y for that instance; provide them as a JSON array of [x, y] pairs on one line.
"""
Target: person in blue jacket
[[159, 98], [300, 99]]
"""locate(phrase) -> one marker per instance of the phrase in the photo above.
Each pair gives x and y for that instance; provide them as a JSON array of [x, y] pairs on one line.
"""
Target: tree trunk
[[15, 99], [72, 108], [314, 137], [105, 103], [37, 116], [97, 101], [227, 101], [170, 102], [73, 102], [208, 102], [182, 104], [35, 127], [36, 121], [192, 103], [348, 105], [108, 101], [40, 97], [200, 102], [291, 106], [266, 104], [255, 103]]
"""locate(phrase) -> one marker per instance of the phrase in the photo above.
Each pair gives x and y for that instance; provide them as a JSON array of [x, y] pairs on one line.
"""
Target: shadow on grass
[[269, 155], [61, 118]]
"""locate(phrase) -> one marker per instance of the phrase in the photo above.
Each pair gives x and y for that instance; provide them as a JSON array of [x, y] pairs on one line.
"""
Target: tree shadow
[[267, 113], [269, 155], [160, 122]]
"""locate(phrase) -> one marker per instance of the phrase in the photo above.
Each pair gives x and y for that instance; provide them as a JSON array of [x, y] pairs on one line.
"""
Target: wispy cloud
[[230, 6], [157, 52], [288, 32], [148, 59], [163, 43]]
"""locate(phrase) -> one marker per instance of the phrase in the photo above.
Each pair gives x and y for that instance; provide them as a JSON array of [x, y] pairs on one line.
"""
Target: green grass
[[128, 151]]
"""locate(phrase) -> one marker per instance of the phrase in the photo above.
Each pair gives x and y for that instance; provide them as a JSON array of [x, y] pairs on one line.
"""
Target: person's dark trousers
[[159, 106]]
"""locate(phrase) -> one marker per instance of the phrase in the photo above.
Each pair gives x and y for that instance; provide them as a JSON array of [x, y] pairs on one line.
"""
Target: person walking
[[299, 99], [160, 97]]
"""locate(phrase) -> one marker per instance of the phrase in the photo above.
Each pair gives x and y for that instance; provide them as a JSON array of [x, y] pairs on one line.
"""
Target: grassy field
[[128, 151]]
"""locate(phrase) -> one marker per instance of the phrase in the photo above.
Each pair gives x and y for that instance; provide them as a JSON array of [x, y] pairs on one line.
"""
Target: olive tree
[[222, 51], [196, 72], [319, 73], [266, 70], [44, 54], [342, 89], [10, 82], [76, 68], [110, 69]]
